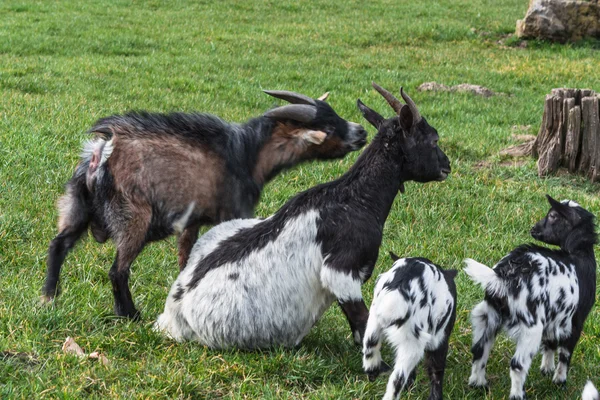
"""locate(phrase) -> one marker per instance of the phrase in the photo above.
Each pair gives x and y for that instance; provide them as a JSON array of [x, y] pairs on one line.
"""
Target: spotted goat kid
[[538, 295], [415, 307]]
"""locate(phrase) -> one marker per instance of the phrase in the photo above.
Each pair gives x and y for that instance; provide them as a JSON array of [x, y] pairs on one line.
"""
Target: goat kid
[[261, 283], [414, 306], [538, 295], [147, 173]]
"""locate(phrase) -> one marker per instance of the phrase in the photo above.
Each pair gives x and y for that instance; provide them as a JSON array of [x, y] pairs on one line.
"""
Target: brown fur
[[288, 145], [149, 166]]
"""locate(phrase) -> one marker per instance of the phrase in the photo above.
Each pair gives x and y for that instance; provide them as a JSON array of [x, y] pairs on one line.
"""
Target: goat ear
[[370, 115], [295, 112], [406, 118], [393, 256], [564, 209], [553, 203], [314, 137], [324, 96]]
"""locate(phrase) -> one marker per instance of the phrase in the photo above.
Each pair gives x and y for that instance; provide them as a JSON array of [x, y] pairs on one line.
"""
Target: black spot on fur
[[179, 293], [515, 365], [234, 276], [477, 351]]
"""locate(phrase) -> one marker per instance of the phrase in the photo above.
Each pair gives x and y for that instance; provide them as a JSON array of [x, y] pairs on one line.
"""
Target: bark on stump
[[570, 133]]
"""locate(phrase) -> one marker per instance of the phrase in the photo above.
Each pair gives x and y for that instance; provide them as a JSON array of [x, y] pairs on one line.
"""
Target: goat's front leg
[[346, 288], [357, 315]]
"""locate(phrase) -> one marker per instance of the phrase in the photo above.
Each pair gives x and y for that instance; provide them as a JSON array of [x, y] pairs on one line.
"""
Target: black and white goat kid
[[538, 295], [146, 173], [262, 283], [414, 306]]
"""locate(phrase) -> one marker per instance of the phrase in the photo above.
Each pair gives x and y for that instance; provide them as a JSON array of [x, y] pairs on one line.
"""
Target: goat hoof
[[384, 367], [132, 314], [372, 374], [46, 299], [561, 384], [485, 387], [546, 372]]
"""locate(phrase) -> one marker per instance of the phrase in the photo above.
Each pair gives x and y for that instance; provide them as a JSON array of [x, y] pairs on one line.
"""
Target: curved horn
[[392, 101], [291, 97], [324, 96], [295, 112], [411, 104]]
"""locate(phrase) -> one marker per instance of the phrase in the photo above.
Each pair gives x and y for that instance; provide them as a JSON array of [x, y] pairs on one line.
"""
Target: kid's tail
[[486, 277], [590, 392]]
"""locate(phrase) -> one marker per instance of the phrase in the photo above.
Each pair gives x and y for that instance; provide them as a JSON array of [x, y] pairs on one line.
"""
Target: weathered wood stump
[[570, 133]]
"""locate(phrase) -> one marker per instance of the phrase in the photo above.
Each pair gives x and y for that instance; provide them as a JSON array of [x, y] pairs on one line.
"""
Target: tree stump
[[570, 133]]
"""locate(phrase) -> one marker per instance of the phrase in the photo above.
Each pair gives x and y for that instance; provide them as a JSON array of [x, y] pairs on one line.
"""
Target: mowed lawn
[[65, 64]]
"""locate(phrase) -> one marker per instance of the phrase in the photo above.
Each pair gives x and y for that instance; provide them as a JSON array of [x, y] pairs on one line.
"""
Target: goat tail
[[485, 276], [590, 392]]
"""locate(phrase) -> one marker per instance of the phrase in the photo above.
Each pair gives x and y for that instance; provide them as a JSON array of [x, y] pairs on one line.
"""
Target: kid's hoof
[[485, 387], [384, 368], [46, 299], [372, 374]]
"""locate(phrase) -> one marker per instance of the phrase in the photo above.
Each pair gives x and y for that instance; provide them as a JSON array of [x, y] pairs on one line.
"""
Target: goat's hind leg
[[528, 343], [73, 222], [130, 243], [372, 347], [409, 351], [548, 353], [436, 365], [486, 323], [185, 242], [565, 352]]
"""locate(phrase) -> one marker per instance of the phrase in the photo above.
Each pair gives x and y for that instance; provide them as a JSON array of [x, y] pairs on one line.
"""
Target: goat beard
[[402, 189]]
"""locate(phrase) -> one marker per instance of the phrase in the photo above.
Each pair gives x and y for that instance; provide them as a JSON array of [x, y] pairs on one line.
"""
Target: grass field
[[65, 64]]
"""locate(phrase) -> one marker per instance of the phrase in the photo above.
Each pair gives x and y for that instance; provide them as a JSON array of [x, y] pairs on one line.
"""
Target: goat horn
[[324, 96], [291, 97], [392, 101], [296, 112], [411, 104]]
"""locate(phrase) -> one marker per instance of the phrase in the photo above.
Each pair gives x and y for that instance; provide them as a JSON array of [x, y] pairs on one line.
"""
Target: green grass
[[65, 64]]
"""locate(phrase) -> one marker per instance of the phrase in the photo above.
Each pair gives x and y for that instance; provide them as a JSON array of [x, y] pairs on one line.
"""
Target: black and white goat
[[538, 295], [147, 173], [414, 306], [261, 283]]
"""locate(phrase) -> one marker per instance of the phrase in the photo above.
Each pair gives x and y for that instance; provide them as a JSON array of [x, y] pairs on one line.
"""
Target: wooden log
[[545, 127], [589, 111], [568, 104], [569, 135], [573, 139], [549, 142], [549, 160], [594, 133]]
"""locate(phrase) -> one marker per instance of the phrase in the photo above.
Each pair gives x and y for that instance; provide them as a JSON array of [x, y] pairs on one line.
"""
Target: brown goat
[[146, 175]]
